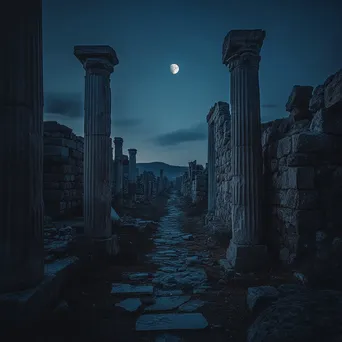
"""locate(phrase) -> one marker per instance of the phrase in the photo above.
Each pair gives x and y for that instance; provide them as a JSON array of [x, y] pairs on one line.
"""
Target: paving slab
[[127, 289], [168, 303], [192, 305], [130, 304], [172, 321]]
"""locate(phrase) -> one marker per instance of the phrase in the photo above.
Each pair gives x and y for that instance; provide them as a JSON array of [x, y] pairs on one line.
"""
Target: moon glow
[[174, 68]]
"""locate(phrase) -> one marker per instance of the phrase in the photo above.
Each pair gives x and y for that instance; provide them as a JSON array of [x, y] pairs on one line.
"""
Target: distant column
[[241, 52], [118, 159], [132, 177], [21, 150], [98, 62]]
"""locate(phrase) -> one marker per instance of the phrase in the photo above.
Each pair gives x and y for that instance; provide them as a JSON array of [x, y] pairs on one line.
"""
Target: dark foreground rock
[[310, 315]]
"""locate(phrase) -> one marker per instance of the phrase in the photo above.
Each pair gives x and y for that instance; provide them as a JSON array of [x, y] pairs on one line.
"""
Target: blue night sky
[[163, 115]]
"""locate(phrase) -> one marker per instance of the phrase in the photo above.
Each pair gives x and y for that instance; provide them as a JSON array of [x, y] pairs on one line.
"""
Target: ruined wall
[[63, 170], [303, 176]]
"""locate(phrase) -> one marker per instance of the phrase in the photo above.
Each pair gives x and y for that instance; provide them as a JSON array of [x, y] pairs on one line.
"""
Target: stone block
[[327, 121], [299, 98], [48, 141], [298, 199], [56, 151], [76, 154], [259, 297], [54, 126], [294, 178], [247, 258], [333, 91], [301, 159], [310, 142], [317, 99], [284, 147]]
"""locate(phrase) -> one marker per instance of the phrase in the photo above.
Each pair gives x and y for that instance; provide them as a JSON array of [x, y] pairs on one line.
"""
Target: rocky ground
[[167, 285]]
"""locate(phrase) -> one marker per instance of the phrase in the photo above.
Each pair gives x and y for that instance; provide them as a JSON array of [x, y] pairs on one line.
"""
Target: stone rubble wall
[[63, 170], [303, 175]]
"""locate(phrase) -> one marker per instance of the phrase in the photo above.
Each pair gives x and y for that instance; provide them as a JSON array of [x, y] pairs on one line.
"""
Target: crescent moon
[[174, 68]]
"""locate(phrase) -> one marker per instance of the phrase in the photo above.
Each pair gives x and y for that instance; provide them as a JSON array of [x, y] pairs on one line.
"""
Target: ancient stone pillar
[[118, 142], [132, 177], [21, 150], [98, 62], [241, 50]]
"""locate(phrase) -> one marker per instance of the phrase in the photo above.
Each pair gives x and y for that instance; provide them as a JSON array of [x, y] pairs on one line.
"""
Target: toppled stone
[[139, 276], [119, 289], [174, 321], [130, 304], [188, 237], [167, 303], [192, 305], [333, 90], [317, 99], [304, 316], [261, 296]]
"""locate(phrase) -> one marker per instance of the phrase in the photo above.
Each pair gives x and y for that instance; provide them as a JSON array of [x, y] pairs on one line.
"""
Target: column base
[[104, 247], [245, 258]]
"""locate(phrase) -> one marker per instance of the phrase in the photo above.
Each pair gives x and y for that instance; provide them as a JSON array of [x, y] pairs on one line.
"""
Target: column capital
[[242, 46], [132, 151], [118, 141], [96, 58]]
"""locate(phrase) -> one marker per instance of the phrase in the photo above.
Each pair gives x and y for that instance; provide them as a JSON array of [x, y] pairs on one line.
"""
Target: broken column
[[21, 151], [241, 53], [118, 142], [298, 103], [98, 62], [132, 178]]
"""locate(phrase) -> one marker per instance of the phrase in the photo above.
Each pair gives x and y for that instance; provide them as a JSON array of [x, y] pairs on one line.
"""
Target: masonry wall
[[303, 179], [63, 171]]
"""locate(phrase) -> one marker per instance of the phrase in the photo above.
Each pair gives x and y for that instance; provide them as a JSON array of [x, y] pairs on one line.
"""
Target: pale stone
[[130, 304]]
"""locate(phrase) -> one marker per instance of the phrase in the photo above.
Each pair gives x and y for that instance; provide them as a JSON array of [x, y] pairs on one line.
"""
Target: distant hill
[[170, 171]]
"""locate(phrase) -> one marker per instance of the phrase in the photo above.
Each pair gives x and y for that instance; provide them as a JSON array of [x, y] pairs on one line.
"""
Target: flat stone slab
[[138, 276], [130, 304], [192, 305], [119, 289], [168, 338], [165, 293], [167, 303], [172, 321]]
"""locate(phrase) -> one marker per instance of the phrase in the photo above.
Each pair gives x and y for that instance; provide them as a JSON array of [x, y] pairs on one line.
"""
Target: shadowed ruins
[[246, 247]]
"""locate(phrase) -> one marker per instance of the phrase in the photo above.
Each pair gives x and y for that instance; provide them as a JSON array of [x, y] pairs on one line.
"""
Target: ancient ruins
[[273, 190]]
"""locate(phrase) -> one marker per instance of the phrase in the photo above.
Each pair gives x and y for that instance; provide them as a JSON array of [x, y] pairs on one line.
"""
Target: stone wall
[[303, 174], [219, 219], [63, 170]]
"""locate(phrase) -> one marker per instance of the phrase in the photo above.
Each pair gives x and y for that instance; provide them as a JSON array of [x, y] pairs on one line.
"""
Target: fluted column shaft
[[21, 150], [97, 126], [246, 150]]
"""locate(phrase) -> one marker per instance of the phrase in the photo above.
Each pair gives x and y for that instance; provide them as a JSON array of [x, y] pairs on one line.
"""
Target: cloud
[[67, 104], [196, 133], [269, 106], [133, 122]]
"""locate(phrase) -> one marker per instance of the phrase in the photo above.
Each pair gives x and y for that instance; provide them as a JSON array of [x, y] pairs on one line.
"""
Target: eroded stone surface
[[130, 304], [119, 289], [186, 321]]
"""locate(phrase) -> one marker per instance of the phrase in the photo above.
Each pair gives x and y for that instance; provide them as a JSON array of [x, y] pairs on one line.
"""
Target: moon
[[174, 68]]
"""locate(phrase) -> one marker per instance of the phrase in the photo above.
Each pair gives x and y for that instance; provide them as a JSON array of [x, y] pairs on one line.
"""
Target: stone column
[[98, 62], [241, 52], [211, 168], [21, 150], [132, 178], [118, 142]]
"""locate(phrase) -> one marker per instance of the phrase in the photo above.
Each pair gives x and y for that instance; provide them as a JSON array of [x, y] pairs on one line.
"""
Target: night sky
[[163, 115]]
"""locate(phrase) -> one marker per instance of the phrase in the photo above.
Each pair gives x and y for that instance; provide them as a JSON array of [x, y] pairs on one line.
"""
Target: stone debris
[[167, 303], [172, 321], [191, 306], [188, 237], [261, 296], [130, 304], [128, 289]]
